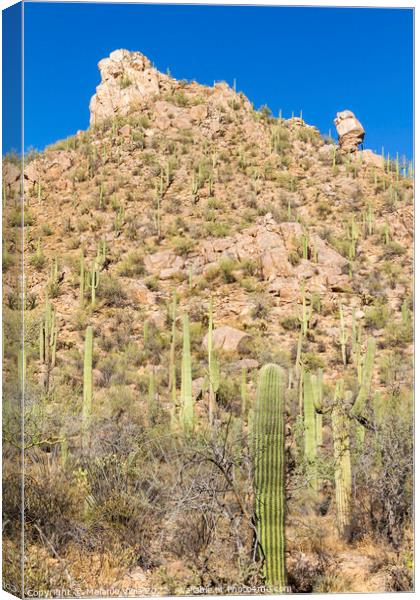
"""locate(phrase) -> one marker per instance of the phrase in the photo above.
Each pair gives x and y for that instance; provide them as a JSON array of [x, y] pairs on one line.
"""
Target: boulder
[[164, 264], [11, 173], [326, 153], [198, 113], [327, 256], [227, 338], [350, 131], [262, 242], [287, 288], [31, 173], [139, 293], [370, 158], [274, 263], [244, 363], [170, 115], [198, 387], [128, 80], [125, 130]]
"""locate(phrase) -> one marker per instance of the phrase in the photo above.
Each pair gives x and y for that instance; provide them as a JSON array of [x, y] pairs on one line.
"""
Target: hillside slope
[[182, 190]]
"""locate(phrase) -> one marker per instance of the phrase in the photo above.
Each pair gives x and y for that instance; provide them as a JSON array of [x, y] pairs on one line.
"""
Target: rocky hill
[[180, 196]]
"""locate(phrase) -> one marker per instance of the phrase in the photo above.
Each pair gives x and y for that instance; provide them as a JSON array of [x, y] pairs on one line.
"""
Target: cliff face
[[127, 81], [182, 188]]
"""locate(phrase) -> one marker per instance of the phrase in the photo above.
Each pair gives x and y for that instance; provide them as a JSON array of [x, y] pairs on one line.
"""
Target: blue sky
[[12, 78], [320, 60]]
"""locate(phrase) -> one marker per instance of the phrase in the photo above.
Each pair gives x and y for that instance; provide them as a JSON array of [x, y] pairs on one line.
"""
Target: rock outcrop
[[128, 79], [227, 338], [350, 131]]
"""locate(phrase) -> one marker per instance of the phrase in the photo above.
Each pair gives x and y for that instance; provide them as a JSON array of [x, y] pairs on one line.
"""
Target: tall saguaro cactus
[[310, 429], [172, 366], [213, 367], [94, 282], [82, 281], [187, 408], [367, 373], [317, 390], [269, 473], [343, 337], [48, 332], [87, 386], [342, 461], [358, 408]]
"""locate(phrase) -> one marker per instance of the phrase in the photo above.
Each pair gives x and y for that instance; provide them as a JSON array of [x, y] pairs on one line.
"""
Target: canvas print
[[207, 300]]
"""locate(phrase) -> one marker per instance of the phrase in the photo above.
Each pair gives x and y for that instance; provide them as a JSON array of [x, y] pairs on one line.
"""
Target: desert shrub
[[156, 343], [291, 323], [261, 304], [120, 397], [132, 265], [217, 228], [394, 249], [7, 259], [124, 497], [393, 272], [384, 472], [249, 284], [227, 267], [398, 334], [111, 291], [392, 368], [183, 245], [228, 392], [308, 134], [251, 267], [377, 316], [132, 230], [38, 261], [51, 507], [312, 361]]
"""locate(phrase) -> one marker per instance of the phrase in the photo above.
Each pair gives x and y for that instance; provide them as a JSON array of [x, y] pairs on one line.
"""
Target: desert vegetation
[[217, 358]]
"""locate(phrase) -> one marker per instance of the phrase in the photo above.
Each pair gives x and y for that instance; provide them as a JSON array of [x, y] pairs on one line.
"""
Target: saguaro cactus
[[101, 253], [87, 386], [48, 332], [151, 399], [244, 392], [317, 390], [269, 473], [82, 281], [213, 367], [367, 372], [343, 337], [172, 366], [187, 408], [342, 462], [310, 429], [358, 408], [94, 282], [306, 314]]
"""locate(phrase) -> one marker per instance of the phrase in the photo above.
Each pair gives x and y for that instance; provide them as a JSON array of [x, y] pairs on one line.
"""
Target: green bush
[[111, 291], [132, 265], [394, 249], [183, 245], [291, 323], [227, 266], [377, 316]]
